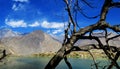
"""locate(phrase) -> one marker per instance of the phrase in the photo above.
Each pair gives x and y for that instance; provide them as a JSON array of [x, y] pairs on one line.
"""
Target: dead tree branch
[[67, 62], [68, 44], [70, 15]]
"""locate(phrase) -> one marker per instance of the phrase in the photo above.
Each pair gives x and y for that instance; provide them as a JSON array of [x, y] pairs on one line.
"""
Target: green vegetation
[[98, 54]]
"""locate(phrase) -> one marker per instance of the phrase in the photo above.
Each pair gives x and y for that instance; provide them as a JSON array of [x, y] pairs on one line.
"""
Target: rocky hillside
[[39, 42], [113, 42], [32, 43], [5, 32]]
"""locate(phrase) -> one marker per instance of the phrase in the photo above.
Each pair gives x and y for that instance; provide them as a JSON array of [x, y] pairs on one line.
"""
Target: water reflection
[[40, 62]]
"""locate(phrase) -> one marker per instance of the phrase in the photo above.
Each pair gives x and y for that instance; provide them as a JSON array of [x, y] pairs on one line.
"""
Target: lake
[[40, 62]]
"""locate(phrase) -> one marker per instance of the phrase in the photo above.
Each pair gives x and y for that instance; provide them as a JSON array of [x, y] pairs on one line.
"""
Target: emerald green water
[[40, 62]]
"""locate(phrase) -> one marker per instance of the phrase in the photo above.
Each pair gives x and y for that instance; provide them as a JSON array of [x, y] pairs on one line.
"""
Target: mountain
[[113, 42], [5, 32], [32, 43], [39, 42]]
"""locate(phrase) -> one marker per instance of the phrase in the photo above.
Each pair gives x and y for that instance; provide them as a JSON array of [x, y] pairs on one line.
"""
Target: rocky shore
[[97, 54]]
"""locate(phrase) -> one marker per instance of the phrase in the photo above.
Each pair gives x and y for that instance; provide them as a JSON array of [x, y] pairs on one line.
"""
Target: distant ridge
[[6, 32], [32, 43], [38, 42], [113, 42]]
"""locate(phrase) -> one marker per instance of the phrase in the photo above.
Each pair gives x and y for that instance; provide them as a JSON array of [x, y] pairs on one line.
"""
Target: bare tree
[[76, 33], [4, 54]]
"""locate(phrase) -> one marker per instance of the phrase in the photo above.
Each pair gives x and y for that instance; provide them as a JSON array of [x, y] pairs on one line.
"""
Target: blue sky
[[47, 15]]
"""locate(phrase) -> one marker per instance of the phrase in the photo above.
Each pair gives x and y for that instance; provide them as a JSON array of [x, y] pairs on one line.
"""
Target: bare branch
[[85, 47], [105, 9], [70, 15], [78, 8], [116, 4], [4, 55], [100, 25], [67, 62], [87, 3], [94, 60], [89, 17], [68, 45], [113, 37]]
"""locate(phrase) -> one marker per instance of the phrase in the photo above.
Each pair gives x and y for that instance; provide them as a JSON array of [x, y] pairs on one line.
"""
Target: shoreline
[[98, 55], [71, 55]]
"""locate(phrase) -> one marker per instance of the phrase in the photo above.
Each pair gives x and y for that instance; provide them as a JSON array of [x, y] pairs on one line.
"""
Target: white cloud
[[14, 7], [21, 0], [14, 24], [17, 7], [57, 31], [48, 31], [35, 24], [20, 5], [55, 28], [46, 24], [59, 37]]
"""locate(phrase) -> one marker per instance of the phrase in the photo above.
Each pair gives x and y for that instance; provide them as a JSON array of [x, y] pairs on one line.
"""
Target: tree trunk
[[56, 59]]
